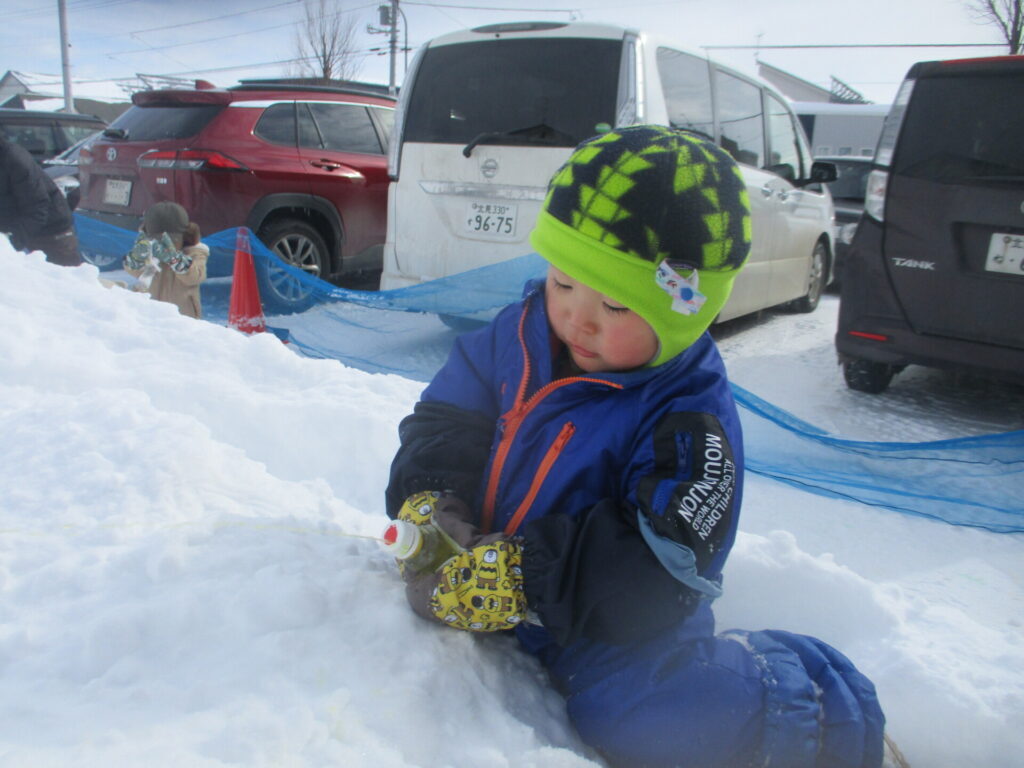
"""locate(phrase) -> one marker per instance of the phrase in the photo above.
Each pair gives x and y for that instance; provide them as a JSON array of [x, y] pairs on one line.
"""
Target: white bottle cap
[[402, 539]]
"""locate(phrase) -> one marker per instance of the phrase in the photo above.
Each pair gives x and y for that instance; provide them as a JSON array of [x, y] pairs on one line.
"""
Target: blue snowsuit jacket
[[625, 489]]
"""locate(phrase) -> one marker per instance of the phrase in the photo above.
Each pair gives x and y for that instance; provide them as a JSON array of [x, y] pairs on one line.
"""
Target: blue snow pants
[[739, 699]]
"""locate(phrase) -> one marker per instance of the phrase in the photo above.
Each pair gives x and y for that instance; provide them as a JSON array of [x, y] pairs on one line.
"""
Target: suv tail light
[[874, 196], [189, 160]]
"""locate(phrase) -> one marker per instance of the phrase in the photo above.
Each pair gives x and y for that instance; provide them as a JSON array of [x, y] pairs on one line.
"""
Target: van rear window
[[463, 91], [965, 128], [165, 122]]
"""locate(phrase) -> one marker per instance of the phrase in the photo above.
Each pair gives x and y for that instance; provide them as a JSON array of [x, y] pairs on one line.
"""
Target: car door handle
[[766, 191], [327, 165], [783, 195]]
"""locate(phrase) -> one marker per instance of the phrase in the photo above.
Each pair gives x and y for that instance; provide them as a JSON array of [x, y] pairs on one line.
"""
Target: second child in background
[[168, 260]]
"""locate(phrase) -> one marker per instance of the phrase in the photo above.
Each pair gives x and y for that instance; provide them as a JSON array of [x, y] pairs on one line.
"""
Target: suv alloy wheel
[[298, 244]]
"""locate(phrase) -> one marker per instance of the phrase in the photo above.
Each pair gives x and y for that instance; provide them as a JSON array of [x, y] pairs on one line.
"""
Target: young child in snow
[[168, 260], [585, 450]]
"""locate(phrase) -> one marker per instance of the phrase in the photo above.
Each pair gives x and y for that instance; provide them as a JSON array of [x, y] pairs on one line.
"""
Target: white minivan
[[487, 115]]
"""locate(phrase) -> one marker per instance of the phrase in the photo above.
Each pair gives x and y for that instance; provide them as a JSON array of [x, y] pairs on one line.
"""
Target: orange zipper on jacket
[[554, 451], [513, 419]]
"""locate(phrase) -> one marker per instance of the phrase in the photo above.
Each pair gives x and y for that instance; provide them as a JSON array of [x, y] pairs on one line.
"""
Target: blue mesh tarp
[[976, 481], [285, 288], [973, 481]]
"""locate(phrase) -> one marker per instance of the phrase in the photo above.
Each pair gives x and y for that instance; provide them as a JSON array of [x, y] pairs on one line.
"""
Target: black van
[[47, 134], [935, 272]]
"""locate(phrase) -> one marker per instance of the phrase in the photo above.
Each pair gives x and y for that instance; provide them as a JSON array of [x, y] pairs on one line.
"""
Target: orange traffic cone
[[245, 311]]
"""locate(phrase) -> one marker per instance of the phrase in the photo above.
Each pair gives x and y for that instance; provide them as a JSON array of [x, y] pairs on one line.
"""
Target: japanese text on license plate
[[117, 192], [496, 220], [1005, 253]]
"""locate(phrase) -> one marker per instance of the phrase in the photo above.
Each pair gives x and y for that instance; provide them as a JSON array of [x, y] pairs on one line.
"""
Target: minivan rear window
[[463, 91], [165, 122], [962, 129]]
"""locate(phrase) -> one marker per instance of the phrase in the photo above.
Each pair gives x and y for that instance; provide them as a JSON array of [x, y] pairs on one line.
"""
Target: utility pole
[[388, 20], [65, 63], [393, 44]]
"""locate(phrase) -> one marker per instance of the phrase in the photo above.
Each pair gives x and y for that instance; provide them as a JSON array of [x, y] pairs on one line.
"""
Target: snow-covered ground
[[185, 578]]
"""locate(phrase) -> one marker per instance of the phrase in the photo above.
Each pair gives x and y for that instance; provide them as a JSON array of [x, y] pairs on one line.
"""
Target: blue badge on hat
[[686, 299]]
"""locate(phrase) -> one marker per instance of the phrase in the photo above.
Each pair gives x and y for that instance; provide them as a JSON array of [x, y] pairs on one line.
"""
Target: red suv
[[303, 166]]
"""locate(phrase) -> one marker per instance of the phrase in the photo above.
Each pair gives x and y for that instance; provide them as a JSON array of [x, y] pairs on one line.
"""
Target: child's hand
[[419, 508], [478, 590], [481, 589]]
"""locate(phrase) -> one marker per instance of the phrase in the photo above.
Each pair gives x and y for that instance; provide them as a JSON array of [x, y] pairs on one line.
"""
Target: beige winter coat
[[181, 289]]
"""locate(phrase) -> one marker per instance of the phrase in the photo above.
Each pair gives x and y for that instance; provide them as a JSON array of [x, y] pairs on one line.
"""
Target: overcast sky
[[231, 39]]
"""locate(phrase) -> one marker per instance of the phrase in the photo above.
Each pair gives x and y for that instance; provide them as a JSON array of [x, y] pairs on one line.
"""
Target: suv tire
[[815, 281], [867, 375], [301, 245]]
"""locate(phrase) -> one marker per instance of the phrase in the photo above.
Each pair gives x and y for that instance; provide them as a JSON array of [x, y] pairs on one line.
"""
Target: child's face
[[600, 333]]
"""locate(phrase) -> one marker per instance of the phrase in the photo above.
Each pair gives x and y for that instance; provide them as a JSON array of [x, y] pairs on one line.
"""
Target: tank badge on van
[[913, 263]]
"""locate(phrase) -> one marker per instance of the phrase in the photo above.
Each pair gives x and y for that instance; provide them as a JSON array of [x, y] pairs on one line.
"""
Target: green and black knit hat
[[656, 219]]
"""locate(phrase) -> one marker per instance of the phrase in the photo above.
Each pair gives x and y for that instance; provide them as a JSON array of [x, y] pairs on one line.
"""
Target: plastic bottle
[[419, 547]]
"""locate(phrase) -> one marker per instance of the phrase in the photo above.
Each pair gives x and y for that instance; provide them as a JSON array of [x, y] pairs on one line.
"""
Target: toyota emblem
[[111, 154], [489, 168]]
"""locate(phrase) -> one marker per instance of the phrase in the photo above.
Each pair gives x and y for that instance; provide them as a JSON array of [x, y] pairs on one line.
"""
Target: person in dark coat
[[33, 212]]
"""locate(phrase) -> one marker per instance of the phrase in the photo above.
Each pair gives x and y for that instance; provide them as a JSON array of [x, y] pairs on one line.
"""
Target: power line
[[216, 18], [855, 45], [491, 8]]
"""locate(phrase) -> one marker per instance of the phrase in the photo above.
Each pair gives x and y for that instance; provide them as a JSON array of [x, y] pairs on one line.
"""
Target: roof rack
[[313, 84]]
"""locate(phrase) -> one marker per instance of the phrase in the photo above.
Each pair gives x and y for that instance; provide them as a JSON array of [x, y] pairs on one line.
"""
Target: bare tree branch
[[326, 42], [1007, 15]]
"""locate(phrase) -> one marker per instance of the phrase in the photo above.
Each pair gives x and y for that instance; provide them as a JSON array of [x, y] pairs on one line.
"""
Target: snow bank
[[184, 578]]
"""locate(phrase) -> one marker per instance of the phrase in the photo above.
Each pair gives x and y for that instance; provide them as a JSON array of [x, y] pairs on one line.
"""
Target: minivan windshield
[[492, 91], [964, 128], [162, 122]]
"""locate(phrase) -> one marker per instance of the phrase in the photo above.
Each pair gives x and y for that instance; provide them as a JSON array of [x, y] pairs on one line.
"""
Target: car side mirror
[[821, 173]]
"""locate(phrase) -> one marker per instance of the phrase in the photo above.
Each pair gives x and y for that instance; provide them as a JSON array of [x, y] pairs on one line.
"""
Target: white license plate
[[497, 220], [1005, 254], [117, 192]]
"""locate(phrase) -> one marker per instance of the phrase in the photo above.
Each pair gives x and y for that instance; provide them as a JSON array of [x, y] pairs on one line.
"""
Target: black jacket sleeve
[[31, 201], [443, 448], [595, 577]]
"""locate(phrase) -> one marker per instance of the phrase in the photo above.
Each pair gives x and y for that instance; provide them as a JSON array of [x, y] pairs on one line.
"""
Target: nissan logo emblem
[[111, 154], [489, 168]]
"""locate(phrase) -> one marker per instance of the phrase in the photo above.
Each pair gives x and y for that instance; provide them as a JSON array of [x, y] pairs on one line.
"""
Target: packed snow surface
[[188, 576]]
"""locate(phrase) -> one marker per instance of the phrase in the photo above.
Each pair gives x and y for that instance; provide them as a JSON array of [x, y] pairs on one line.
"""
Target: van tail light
[[189, 160], [874, 197], [869, 336]]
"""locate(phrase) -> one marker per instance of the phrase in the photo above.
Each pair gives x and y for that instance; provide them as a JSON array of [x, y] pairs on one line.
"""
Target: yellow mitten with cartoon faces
[[481, 589], [419, 508]]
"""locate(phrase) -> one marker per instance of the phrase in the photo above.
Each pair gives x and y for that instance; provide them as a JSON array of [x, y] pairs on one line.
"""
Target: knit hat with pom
[[654, 218]]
